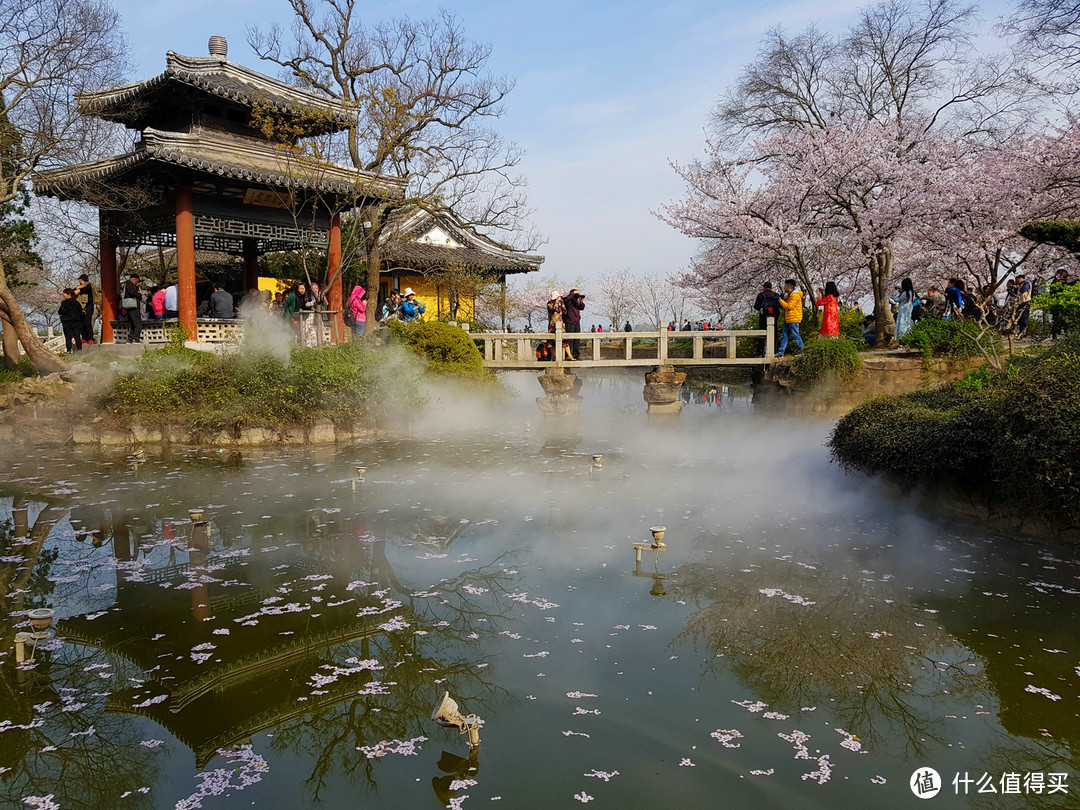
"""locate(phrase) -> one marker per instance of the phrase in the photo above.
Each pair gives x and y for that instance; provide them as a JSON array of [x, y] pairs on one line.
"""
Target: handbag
[[129, 303]]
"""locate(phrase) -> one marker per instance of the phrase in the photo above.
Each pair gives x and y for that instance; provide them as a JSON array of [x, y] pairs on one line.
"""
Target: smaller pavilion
[[416, 242], [204, 176]]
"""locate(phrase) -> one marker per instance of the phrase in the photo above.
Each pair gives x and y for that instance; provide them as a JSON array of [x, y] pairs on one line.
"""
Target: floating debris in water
[[1038, 690], [405, 748], [793, 598], [726, 737]]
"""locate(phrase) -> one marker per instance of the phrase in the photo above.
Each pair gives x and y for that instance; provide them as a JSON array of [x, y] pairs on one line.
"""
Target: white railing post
[[699, 347], [558, 344], [596, 348], [732, 346], [661, 344], [489, 349], [770, 339]]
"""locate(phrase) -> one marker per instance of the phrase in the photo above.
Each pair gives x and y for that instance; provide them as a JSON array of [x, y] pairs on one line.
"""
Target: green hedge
[[207, 391], [1009, 436], [449, 350]]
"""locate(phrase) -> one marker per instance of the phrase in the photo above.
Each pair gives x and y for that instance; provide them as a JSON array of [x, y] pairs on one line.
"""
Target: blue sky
[[607, 93]]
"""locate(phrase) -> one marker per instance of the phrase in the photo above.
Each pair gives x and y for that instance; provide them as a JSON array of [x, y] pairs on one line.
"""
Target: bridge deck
[[517, 350]]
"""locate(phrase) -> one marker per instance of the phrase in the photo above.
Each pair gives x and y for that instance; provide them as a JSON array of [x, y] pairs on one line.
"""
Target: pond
[[806, 638]]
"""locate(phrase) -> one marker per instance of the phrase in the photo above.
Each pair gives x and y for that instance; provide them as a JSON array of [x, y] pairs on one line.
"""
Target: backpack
[[347, 318]]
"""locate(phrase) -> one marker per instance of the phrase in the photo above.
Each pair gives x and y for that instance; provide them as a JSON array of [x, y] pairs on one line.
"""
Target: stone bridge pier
[[663, 386], [561, 397]]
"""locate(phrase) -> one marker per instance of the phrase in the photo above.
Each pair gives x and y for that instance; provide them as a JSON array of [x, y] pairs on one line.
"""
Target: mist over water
[[805, 640]]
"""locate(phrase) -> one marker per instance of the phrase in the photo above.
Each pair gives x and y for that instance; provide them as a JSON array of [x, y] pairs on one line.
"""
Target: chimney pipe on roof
[[219, 46]]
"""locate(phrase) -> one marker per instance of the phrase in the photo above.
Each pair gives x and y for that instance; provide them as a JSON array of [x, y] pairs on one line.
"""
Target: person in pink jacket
[[358, 309]]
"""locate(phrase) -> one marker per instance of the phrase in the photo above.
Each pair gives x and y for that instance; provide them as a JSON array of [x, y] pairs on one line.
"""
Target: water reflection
[[218, 638], [317, 621], [828, 637]]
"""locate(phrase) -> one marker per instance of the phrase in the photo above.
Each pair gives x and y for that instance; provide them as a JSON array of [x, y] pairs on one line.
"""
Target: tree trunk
[[12, 355], [502, 302], [371, 248], [880, 274], [44, 361]]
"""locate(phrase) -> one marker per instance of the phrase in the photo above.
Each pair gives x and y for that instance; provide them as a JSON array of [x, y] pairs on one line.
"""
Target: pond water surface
[[805, 640]]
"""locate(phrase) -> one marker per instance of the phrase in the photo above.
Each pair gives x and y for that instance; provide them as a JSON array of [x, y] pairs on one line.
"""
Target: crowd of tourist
[[304, 307], [1008, 309]]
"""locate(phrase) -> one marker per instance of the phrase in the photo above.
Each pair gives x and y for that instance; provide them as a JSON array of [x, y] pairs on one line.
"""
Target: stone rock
[[662, 392], [556, 381], [666, 374], [254, 436], [177, 435], [660, 408], [143, 433], [559, 406], [322, 432], [83, 434], [296, 436], [114, 437]]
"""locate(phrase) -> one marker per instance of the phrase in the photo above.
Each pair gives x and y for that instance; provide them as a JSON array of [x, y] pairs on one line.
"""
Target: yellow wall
[[274, 285], [428, 294]]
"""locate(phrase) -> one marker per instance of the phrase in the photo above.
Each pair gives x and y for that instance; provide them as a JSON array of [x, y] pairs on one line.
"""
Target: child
[[71, 319], [791, 303]]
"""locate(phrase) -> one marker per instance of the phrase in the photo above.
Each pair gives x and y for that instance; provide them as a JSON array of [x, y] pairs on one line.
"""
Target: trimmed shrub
[[1007, 436], [822, 357], [449, 350]]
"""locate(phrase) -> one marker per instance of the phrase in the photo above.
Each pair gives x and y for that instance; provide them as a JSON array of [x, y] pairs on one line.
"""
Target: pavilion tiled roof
[[220, 154], [401, 243], [217, 76]]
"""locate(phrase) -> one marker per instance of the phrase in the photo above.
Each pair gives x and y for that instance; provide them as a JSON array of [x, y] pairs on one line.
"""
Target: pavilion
[[204, 176], [416, 242]]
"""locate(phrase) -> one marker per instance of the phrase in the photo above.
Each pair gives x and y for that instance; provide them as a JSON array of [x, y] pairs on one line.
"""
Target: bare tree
[[650, 292], [617, 295], [49, 50], [1048, 31], [901, 58], [424, 105]]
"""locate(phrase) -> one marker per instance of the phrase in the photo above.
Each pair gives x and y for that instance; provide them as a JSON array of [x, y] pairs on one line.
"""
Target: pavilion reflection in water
[[231, 640]]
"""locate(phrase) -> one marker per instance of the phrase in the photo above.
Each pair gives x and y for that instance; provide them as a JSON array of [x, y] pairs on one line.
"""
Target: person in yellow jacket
[[791, 303]]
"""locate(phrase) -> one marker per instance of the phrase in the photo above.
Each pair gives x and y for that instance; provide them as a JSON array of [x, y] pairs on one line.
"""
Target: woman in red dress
[[830, 301]]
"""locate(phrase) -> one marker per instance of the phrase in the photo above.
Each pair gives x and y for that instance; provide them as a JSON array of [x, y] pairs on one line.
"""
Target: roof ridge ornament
[[219, 46]]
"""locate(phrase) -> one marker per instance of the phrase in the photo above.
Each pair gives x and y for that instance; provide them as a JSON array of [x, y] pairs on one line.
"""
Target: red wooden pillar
[[110, 284], [185, 263], [333, 275], [251, 264]]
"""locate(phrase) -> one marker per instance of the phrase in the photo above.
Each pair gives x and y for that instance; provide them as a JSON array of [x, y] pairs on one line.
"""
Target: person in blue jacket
[[411, 309]]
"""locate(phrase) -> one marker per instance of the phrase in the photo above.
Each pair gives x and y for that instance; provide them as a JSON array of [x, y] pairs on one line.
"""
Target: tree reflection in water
[[797, 636], [61, 740]]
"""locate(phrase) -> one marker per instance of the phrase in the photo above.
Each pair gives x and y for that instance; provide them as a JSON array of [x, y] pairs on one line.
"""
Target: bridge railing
[[518, 349]]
